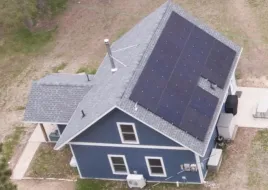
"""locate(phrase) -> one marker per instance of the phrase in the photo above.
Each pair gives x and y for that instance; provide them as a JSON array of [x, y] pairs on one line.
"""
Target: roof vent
[[113, 69], [213, 86], [87, 77], [83, 113]]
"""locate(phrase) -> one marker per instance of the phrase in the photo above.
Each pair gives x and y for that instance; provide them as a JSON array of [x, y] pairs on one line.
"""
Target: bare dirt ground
[[84, 25], [234, 173]]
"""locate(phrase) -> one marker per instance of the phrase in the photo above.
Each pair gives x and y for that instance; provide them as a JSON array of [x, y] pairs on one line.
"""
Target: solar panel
[[219, 63], [168, 83], [195, 123], [203, 102]]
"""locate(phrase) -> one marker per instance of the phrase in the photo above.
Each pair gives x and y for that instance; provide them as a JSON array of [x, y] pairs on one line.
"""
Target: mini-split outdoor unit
[[136, 181]]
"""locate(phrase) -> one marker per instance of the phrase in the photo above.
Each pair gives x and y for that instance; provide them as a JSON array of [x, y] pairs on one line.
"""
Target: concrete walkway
[[247, 105], [28, 153]]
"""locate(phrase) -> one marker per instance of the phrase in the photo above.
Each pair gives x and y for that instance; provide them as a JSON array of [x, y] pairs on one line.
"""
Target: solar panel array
[[167, 85]]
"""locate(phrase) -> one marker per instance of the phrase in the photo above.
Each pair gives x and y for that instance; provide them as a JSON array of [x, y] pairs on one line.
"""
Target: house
[[155, 113]]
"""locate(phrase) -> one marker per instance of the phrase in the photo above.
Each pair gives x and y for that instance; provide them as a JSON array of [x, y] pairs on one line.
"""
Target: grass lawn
[[48, 163], [258, 160], [59, 67], [11, 141], [87, 184], [86, 70]]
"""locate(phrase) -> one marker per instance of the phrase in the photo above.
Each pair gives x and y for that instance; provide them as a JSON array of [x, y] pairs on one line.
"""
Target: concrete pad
[[247, 104], [28, 154], [25, 160], [37, 135]]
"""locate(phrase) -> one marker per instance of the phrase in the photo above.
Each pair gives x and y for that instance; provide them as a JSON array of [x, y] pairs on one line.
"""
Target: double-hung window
[[155, 166], [118, 164], [128, 133]]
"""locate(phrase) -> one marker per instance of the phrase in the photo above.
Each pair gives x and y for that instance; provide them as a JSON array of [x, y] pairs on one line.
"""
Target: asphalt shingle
[[55, 97]]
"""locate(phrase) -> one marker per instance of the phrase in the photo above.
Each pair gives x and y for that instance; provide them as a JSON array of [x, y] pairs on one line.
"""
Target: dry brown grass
[[48, 163], [257, 160]]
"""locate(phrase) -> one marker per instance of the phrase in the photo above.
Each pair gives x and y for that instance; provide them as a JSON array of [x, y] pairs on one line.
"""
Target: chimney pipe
[[114, 69]]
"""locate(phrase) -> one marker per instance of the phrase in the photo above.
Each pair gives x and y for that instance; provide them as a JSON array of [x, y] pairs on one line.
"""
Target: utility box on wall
[[215, 159], [226, 126]]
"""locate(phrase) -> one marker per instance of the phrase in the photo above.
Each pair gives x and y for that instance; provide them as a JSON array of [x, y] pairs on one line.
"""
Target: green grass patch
[[49, 163], [87, 184], [57, 6], [238, 74], [19, 108], [262, 139], [86, 70], [258, 156], [11, 141], [25, 41], [59, 67]]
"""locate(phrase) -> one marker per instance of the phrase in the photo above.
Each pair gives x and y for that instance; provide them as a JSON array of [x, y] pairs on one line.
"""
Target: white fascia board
[[129, 146], [198, 163], [79, 132]]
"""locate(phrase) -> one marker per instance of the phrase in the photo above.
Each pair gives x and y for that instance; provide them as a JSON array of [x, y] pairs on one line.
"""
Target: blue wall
[[93, 162], [106, 131]]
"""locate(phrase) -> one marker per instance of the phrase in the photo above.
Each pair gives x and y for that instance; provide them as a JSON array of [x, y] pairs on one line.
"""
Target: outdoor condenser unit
[[136, 181]]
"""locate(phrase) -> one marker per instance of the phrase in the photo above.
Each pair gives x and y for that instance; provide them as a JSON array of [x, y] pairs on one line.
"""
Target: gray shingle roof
[[113, 90], [66, 79], [55, 97]]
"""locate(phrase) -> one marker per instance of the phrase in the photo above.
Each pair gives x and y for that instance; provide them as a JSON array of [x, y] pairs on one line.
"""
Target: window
[[118, 164], [155, 166], [128, 133]]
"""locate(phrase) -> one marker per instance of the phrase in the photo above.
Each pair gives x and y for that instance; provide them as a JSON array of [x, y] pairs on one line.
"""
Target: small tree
[[5, 173]]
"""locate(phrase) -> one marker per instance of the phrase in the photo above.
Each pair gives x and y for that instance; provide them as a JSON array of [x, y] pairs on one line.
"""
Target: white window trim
[[112, 166], [121, 134], [149, 168]]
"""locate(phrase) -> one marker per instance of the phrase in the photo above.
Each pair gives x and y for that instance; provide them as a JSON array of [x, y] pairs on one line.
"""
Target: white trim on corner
[[79, 132], [205, 175], [129, 146], [149, 167], [121, 133], [226, 93], [112, 165], [200, 171], [78, 168]]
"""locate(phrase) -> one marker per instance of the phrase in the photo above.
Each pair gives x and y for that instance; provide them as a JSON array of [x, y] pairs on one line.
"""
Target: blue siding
[[106, 131], [212, 143], [61, 128], [93, 162]]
